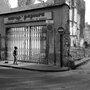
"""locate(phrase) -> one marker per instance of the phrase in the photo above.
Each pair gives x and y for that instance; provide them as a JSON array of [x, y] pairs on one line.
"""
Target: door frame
[[15, 26]]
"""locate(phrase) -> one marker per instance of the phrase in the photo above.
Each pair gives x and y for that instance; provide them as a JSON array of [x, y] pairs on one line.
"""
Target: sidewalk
[[34, 67], [82, 61], [42, 67]]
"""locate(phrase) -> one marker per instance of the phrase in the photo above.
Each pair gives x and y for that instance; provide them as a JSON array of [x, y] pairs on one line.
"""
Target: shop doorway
[[31, 43]]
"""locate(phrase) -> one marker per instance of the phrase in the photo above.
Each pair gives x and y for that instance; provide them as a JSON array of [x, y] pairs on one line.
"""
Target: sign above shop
[[28, 17]]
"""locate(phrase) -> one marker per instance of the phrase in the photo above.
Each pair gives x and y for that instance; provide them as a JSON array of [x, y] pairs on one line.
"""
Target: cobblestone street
[[16, 79]]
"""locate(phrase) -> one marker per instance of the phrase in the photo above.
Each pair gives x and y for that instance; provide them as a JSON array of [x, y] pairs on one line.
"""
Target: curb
[[30, 69], [82, 63], [57, 70]]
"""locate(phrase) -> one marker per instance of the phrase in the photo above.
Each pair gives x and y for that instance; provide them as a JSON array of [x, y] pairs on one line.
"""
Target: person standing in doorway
[[15, 55]]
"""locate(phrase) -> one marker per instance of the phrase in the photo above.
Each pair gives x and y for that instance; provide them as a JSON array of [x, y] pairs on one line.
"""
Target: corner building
[[41, 33]]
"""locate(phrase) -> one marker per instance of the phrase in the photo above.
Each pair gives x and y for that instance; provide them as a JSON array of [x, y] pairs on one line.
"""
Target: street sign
[[60, 29]]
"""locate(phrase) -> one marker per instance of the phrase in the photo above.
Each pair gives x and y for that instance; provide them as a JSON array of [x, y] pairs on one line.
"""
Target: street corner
[[82, 62]]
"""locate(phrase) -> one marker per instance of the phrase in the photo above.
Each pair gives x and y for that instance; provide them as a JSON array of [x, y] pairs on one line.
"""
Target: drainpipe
[[54, 48]]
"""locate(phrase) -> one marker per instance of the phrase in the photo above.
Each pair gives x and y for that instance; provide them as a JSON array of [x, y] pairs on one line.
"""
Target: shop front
[[35, 33], [28, 32]]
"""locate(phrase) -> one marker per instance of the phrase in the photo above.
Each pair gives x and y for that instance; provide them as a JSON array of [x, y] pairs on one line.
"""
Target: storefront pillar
[[61, 31], [66, 48], [54, 48]]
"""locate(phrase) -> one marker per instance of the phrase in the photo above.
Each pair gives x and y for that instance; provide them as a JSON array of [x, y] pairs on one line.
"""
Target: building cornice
[[34, 7]]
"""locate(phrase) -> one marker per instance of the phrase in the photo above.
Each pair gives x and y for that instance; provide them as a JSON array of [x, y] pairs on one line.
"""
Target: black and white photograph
[[44, 44]]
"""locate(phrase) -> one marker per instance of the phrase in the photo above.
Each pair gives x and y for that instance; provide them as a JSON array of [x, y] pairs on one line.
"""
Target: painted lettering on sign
[[29, 17]]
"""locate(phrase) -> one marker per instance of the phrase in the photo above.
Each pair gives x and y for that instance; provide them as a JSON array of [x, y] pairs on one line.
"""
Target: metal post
[[60, 30], [61, 50], [54, 48]]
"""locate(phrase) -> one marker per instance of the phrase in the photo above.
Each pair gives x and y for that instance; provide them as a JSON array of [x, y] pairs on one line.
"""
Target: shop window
[[73, 41], [75, 29], [31, 42], [75, 15], [70, 14], [71, 29]]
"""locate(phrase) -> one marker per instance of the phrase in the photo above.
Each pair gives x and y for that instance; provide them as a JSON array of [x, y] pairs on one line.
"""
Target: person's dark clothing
[[15, 53], [86, 44], [15, 56]]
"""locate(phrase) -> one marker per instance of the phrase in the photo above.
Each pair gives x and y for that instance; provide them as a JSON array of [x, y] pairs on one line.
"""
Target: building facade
[[43, 32], [77, 21], [87, 33], [77, 25], [40, 32]]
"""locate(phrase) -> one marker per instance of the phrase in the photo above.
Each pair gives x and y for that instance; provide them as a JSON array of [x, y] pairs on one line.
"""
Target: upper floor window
[[12, 3], [39, 1], [72, 3]]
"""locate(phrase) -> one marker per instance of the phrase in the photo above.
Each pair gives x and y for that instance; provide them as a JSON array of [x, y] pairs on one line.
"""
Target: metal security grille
[[31, 43]]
